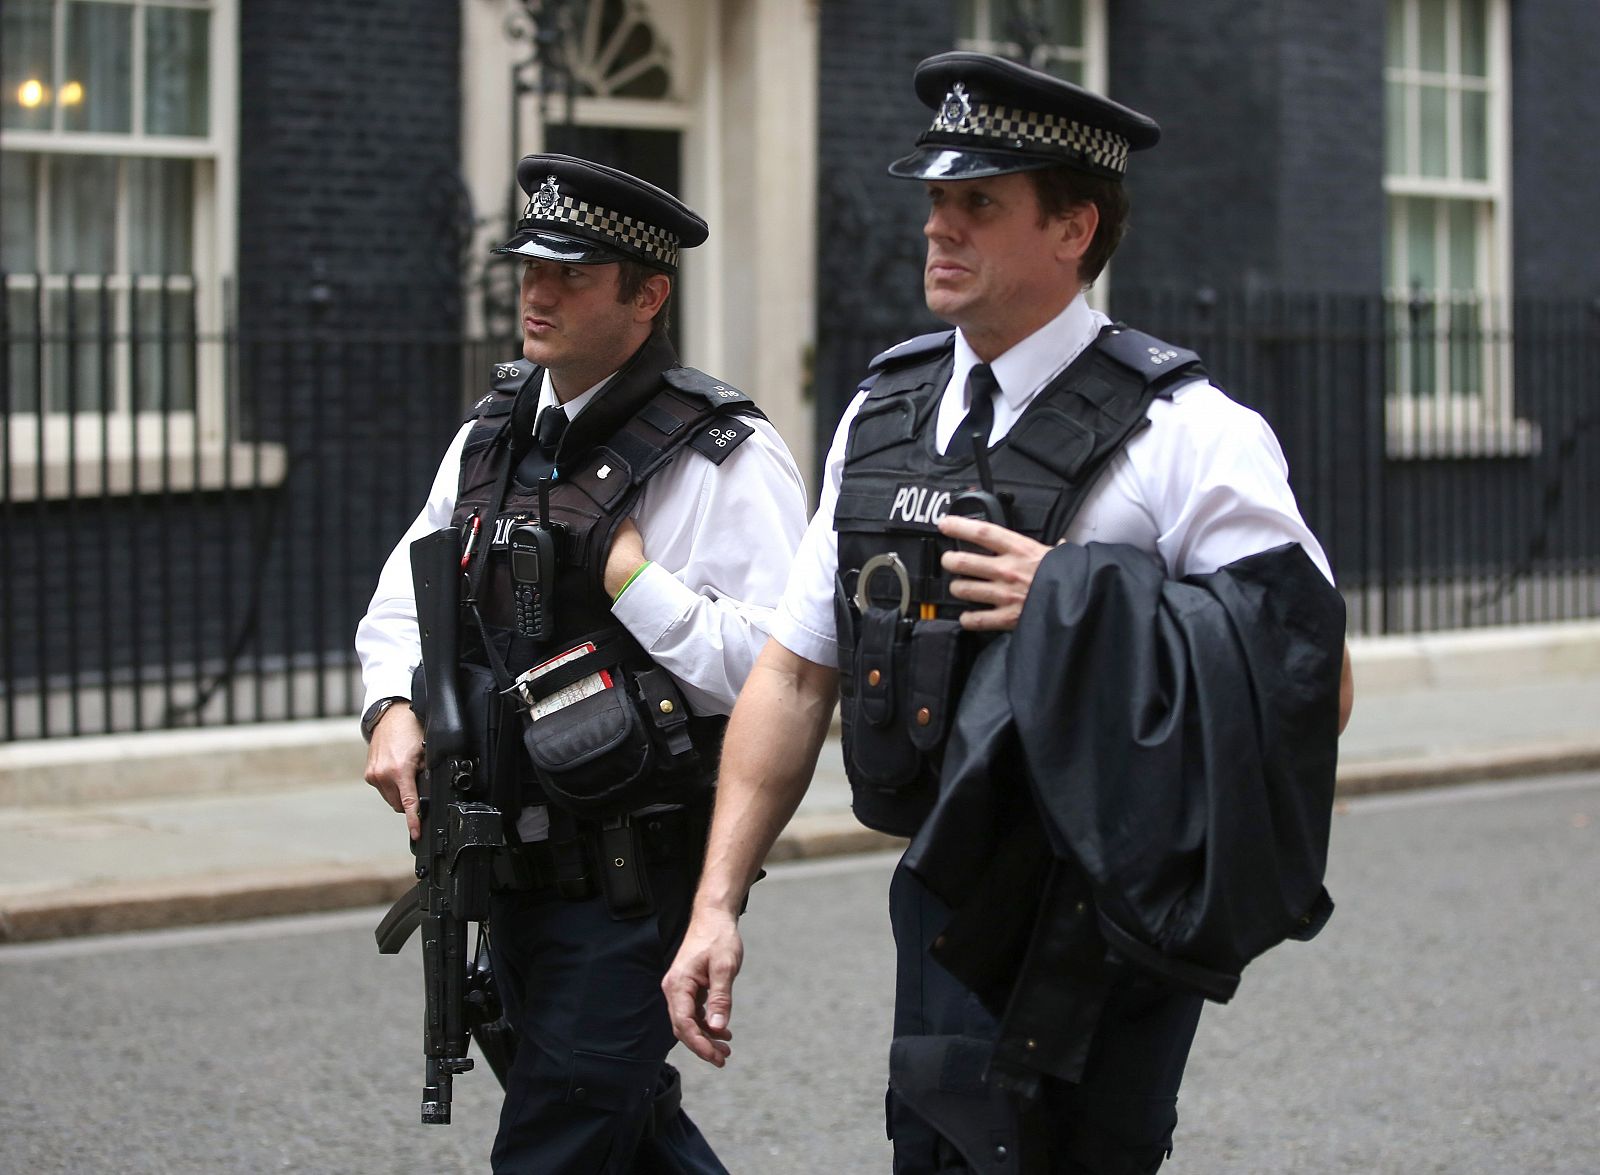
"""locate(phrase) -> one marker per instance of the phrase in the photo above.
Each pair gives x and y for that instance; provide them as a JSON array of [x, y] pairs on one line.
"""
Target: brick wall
[[1269, 171], [1555, 153], [869, 266], [349, 144]]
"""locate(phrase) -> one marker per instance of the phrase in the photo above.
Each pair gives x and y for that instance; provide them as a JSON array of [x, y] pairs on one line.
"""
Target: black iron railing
[[193, 512]]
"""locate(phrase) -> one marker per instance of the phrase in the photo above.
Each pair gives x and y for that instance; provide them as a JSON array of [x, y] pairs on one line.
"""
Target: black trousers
[[584, 994], [1117, 1121]]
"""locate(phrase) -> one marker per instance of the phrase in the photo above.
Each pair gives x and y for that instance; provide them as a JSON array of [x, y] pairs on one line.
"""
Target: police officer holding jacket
[[962, 463], [626, 527]]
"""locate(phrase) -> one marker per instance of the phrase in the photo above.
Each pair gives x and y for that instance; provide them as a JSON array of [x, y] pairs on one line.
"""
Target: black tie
[[539, 461], [981, 389], [551, 428]]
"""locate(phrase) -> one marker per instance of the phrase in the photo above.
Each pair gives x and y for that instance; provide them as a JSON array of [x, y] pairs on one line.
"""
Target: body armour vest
[[654, 411], [903, 655]]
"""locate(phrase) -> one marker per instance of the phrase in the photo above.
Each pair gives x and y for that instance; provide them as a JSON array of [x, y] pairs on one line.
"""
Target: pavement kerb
[[219, 897]]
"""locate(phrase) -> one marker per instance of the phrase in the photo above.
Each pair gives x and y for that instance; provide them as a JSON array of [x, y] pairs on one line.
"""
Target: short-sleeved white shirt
[[1206, 484]]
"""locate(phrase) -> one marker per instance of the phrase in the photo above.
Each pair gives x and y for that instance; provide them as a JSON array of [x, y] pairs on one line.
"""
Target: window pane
[[1395, 43], [1430, 34], [1474, 135], [1396, 158], [19, 224], [22, 313], [1032, 24], [1474, 38], [80, 326], [967, 20], [97, 90], [1066, 22], [83, 214], [176, 71], [1394, 252], [160, 215], [1433, 138], [1421, 256], [164, 348], [1064, 67], [25, 63], [1007, 18], [1463, 245]]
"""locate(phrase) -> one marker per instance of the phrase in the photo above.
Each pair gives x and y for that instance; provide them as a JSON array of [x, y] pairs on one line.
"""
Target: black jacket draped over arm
[[1140, 777]]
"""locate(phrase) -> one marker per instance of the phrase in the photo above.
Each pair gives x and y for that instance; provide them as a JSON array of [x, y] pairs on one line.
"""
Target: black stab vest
[[901, 674], [653, 410]]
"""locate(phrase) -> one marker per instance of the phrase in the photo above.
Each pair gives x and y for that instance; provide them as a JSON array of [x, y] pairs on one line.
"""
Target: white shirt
[[719, 537], [1204, 485]]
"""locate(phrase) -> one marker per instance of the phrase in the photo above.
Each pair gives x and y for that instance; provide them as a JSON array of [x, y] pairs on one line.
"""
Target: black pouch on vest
[[880, 754], [668, 716], [624, 880], [930, 682], [594, 756]]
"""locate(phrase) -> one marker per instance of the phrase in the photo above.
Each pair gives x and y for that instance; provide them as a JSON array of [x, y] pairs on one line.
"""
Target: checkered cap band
[[628, 231], [984, 122]]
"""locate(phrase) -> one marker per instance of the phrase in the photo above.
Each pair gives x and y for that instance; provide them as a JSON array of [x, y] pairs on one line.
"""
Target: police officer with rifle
[[1043, 470], [611, 530]]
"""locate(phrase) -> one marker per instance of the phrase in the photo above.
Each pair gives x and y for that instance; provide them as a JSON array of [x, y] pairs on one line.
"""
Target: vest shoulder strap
[[505, 382], [1089, 412], [1157, 363], [919, 347], [712, 425], [713, 393]]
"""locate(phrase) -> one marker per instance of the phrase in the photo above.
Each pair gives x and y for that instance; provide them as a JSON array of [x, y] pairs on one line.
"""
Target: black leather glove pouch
[[880, 754], [935, 648]]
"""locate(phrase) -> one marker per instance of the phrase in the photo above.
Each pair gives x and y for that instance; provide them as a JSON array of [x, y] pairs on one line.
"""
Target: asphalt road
[[1448, 1020]]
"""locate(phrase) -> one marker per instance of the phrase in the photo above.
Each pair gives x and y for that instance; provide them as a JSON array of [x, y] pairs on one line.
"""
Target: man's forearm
[[768, 758]]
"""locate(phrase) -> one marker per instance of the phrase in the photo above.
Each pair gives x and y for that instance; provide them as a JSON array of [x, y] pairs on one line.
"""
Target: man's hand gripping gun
[[455, 853]]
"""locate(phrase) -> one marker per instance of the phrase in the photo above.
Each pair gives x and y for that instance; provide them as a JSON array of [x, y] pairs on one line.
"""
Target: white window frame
[[1446, 420], [1090, 56], [124, 450]]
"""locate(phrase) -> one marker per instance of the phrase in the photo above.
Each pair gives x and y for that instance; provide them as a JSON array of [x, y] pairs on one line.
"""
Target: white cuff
[[652, 603]]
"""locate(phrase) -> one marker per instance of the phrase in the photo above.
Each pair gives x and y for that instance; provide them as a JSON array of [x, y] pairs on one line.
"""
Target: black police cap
[[583, 213], [993, 116]]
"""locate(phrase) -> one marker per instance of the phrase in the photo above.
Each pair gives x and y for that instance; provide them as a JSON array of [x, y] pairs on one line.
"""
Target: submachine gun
[[455, 853]]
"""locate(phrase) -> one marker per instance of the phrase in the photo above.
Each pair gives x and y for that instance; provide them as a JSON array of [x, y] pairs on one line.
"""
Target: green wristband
[[629, 583]]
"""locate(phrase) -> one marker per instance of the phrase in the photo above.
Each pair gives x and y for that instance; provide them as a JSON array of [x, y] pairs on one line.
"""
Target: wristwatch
[[377, 710]]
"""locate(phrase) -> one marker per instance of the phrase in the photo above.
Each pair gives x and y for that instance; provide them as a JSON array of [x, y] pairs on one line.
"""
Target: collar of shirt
[[547, 395], [1021, 372]]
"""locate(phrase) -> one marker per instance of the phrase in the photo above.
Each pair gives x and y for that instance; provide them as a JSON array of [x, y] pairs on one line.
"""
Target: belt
[[568, 864]]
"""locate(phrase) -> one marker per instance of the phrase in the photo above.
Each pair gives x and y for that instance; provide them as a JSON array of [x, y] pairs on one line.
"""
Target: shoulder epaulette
[[505, 382], [915, 348], [1148, 356], [721, 436], [713, 391]]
